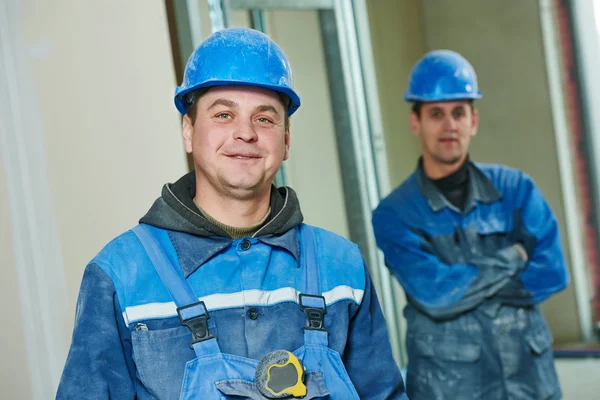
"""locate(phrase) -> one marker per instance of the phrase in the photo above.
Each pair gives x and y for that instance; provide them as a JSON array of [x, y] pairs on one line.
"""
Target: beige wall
[[397, 43], [104, 79], [14, 370], [104, 82]]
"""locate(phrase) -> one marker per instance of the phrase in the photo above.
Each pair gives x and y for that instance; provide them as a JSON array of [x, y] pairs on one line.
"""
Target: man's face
[[238, 140], [446, 129]]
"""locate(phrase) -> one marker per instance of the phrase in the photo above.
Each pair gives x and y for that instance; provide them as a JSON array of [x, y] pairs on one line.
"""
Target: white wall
[[104, 80], [397, 43], [14, 372], [99, 87]]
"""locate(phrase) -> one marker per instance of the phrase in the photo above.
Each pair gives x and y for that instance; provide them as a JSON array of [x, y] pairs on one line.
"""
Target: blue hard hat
[[237, 56], [442, 75]]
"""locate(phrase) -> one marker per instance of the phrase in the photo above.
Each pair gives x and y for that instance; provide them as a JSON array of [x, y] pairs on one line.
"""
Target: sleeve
[[437, 288], [368, 355], [546, 272], [99, 364]]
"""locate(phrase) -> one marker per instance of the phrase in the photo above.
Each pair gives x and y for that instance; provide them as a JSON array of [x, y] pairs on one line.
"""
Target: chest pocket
[[488, 236], [482, 235], [158, 365], [315, 388], [501, 231]]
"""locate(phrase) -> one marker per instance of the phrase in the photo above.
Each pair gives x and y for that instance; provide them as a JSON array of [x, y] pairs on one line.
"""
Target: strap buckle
[[314, 308], [197, 324]]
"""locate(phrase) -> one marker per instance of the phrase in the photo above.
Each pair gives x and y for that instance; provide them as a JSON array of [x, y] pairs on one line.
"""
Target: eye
[[459, 113], [264, 120], [223, 116], [436, 114]]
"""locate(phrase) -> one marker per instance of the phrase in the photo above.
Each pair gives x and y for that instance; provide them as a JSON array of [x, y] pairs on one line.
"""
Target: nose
[[245, 131], [450, 123]]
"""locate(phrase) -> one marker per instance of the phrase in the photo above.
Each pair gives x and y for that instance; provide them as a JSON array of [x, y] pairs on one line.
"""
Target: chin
[[241, 186], [449, 160], [454, 160]]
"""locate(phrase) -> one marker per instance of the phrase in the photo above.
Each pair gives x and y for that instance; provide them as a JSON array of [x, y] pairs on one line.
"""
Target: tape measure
[[280, 374]]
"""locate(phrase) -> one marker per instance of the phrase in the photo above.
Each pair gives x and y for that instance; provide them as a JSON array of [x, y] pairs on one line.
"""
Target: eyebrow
[[223, 102], [267, 107], [461, 107], [233, 104]]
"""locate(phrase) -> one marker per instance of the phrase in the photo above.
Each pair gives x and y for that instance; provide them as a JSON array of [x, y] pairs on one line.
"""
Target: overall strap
[[312, 303], [192, 313]]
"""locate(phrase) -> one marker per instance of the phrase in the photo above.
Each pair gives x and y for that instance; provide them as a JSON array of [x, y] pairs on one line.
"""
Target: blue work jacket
[[474, 327]]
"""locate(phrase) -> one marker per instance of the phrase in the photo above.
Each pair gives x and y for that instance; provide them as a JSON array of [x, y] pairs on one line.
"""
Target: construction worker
[[476, 249], [222, 292]]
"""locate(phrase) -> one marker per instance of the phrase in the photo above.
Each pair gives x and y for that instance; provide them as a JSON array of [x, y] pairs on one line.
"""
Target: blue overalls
[[216, 375]]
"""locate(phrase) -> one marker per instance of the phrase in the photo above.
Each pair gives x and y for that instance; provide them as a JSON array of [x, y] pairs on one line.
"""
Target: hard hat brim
[[412, 98], [182, 105]]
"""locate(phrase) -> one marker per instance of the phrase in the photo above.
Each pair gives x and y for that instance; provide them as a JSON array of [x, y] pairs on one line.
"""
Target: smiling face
[[445, 129], [238, 140]]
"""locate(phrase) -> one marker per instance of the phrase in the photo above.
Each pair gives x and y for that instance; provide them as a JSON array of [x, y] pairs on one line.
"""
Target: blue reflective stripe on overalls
[[216, 375]]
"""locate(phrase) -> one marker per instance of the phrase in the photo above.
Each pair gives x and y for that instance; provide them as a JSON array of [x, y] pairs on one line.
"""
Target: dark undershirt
[[455, 186]]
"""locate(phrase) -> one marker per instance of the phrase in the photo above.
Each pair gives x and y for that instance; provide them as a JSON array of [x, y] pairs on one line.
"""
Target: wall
[[99, 86], [397, 43], [112, 132], [14, 368]]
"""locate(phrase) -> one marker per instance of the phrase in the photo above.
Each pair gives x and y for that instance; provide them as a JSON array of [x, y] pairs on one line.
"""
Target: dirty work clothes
[[128, 340], [472, 299]]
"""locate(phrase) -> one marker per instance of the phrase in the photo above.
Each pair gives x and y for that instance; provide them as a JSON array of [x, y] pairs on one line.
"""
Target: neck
[[437, 170], [235, 212]]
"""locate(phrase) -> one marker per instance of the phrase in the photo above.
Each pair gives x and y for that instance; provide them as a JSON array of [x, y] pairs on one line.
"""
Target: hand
[[513, 257], [521, 251]]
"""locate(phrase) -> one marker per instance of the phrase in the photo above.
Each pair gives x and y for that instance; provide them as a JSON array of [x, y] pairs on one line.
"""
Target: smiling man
[[476, 249], [221, 292]]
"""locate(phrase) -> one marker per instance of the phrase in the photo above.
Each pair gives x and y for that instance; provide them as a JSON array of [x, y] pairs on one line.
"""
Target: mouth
[[243, 156], [448, 140]]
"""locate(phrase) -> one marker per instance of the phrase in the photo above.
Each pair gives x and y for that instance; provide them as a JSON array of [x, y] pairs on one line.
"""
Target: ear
[[286, 139], [187, 131], [474, 122], [415, 123]]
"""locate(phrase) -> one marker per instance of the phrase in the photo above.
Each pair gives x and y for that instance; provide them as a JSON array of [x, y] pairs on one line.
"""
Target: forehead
[[445, 105], [239, 94]]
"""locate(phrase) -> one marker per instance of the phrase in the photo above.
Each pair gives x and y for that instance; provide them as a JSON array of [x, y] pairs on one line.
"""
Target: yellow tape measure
[[280, 374]]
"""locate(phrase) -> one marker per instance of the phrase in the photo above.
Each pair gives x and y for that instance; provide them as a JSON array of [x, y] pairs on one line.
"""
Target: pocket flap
[[540, 341], [448, 349], [315, 387]]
